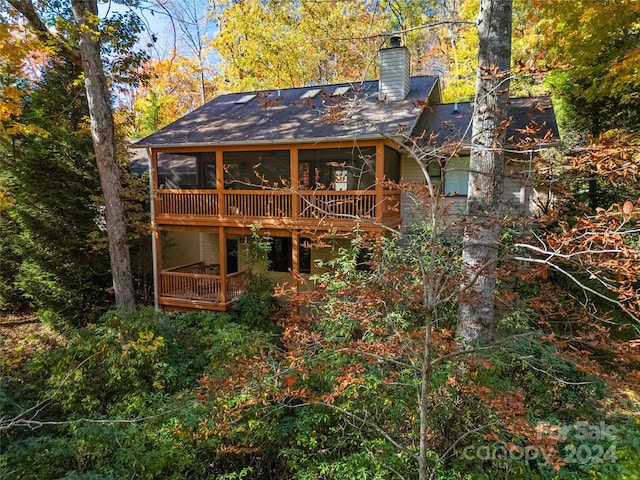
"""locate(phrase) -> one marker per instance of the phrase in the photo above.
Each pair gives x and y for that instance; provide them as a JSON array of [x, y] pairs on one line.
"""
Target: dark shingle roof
[[532, 122], [281, 116]]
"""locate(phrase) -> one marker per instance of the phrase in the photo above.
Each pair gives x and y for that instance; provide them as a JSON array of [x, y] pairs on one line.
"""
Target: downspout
[[154, 230]]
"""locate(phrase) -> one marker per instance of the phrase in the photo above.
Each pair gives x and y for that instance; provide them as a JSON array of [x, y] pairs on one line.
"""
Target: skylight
[[340, 91], [310, 93], [245, 99]]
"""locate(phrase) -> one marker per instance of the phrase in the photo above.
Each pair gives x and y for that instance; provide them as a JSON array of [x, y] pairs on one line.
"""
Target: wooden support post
[[295, 256], [156, 245], [220, 182], [380, 204], [222, 248], [295, 183]]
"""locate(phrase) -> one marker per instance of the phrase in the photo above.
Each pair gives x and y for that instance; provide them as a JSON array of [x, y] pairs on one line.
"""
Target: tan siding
[[210, 248], [243, 265], [456, 207], [410, 172], [180, 248], [325, 254]]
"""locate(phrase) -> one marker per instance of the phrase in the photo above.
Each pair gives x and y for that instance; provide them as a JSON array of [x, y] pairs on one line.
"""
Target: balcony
[[199, 286], [278, 208]]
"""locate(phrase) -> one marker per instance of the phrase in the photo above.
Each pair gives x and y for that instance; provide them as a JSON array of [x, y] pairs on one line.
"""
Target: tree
[[194, 25], [174, 91], [596, 81], [104, 142], [595, 249], [271, 44], [16, 50], [597, 46], [12, 92], [482, 233], [457, 47], [59, 268], [85, 13]]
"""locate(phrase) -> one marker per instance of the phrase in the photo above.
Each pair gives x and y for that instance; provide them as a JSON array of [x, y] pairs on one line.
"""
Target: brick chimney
[[395, 71]]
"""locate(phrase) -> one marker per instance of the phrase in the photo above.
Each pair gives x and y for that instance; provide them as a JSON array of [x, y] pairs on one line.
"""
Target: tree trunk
[[483, 230], [103, 133]]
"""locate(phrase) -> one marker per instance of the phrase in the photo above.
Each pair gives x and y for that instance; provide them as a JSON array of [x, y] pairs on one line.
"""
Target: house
[[300, 162]]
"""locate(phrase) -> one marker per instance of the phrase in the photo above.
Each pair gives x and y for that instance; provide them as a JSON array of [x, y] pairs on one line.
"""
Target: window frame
[[458, 166]]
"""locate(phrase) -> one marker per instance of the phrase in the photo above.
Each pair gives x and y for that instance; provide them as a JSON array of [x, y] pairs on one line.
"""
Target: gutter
[[249, 143]]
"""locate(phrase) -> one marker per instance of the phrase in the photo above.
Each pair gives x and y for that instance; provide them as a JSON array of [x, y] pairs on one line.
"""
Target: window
[[232, 255], [280, 254], [391, 165], [435, 173], [337, 169], [281, 258], [250, 170], [304, 255], [177, 170], [341, 91], [207, 170], [363, 262], [456, 176]]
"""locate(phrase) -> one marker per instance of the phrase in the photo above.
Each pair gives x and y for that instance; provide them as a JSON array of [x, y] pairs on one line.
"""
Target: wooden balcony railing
[[196, 282], [258, 203], [331, 204], [304, 205], [187, 202]]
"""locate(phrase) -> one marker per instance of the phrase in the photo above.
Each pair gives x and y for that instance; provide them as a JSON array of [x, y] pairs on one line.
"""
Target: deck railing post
[[222, 238], [295, 184]]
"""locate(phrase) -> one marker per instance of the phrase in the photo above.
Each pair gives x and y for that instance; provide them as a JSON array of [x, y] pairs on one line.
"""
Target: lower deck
[[199, 286], [209, 269]]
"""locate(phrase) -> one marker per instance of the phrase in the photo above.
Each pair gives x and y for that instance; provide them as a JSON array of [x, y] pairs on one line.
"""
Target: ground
[[22, 336]]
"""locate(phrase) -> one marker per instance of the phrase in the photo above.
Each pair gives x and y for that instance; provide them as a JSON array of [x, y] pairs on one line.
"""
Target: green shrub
[[255, 306]]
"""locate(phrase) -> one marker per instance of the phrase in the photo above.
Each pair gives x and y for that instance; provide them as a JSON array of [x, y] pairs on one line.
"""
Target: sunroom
[[293, 187]]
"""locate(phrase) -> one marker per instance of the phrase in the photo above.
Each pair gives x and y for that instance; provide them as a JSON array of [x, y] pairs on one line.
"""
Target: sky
[[162, 21]]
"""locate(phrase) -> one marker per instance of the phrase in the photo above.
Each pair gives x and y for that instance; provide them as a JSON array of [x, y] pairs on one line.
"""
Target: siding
[[517, 195], [180, 248], [325, 254], [410, 173], [518, 187], [210, 248], [395, 72]]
